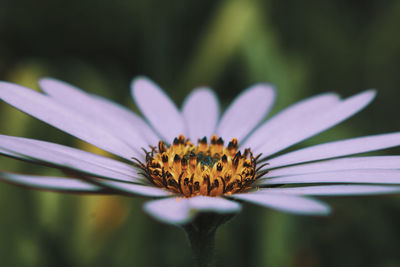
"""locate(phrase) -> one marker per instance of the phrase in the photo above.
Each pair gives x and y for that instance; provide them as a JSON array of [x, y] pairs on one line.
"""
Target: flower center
[[205, 169]]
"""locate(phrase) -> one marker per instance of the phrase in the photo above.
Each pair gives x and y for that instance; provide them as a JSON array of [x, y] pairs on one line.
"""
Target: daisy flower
[[191, 161]]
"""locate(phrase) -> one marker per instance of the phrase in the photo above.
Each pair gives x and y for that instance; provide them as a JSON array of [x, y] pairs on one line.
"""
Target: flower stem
[[202, 243], [201, 234]]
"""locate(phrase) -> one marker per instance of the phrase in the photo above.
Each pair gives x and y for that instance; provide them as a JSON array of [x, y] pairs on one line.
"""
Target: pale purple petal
[[246, 112], [169, 210], [312, 125], [337, 149], [333, 190], [131, 189], [50, 183], [352, 163], [286, 203], [182, 210], [158, 109], [129, 117], [371, 176], [300, 111], [201, 111], [48, 110], [6, 153], [68, 157], [213, 204], [11, 154], [115, 118]]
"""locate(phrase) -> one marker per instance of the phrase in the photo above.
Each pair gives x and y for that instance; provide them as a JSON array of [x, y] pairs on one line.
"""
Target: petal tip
[[325, 210], [141, 80], [47, 78], [370, 94], [263, 86], [49, 82], [203, 89]]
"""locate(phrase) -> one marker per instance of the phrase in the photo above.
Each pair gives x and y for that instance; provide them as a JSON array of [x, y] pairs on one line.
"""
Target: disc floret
[[203, 169]]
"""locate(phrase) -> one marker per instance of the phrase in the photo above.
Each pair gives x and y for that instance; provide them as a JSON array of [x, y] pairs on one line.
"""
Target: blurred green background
[[303, 47]]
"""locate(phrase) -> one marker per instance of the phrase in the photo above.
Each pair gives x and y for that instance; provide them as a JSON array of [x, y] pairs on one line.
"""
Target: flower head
[[192, 160], [208, 170]]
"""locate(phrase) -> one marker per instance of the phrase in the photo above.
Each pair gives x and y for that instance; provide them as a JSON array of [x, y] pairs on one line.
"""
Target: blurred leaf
[[221, 38]]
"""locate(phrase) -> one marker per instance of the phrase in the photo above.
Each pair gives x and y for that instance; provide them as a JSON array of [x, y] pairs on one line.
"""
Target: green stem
[[202, 242], [201, 233]]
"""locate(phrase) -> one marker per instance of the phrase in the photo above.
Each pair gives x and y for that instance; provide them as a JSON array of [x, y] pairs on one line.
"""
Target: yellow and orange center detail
[[202, 169]]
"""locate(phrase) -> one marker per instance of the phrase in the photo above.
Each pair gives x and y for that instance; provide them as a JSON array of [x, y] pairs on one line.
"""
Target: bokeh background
[[303, 47]]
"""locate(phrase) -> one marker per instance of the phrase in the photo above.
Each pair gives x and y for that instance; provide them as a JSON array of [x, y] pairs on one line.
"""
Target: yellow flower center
[[205, 169]]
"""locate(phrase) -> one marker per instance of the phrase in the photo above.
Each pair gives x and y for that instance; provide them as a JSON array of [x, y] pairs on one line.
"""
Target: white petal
[[294, 113], [246, 112], [200, 111], [113, 117], [312, 125], [158, 109], [354, 163], [46, 109], [337, 149], [286, 203], [348, 176], [131, 189], [333, 190], [50, 183], [68, 157], [182, 210]]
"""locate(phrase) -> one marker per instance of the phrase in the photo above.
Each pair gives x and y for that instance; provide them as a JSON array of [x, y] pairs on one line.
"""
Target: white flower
[[255, 176]]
